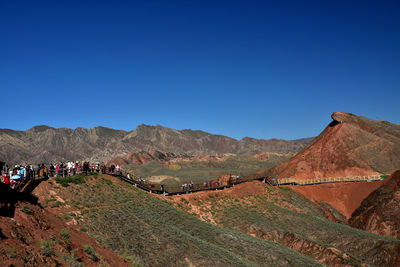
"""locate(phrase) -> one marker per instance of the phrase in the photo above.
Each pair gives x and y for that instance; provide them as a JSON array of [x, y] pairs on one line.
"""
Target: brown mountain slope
[[43, 143], [380, 211], [142, 157], [349, 146]]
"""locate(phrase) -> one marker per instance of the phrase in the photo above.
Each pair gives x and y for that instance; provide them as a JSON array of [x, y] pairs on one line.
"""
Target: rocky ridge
[[44, 143]]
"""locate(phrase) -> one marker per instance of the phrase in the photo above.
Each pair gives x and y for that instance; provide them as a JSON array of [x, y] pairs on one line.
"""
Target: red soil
[[23, 233], [380, 212], [344, 197]]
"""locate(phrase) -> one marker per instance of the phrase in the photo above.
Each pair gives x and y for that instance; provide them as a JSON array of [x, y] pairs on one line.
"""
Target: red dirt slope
[[349, 146], [344, 197], [21, 236], [380, 211]]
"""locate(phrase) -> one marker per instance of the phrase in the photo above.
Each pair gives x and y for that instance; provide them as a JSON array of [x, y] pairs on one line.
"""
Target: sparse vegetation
[[46, 247], [131, 222], [386, 122], [25, 208], [64, 238], [73, 260], [65, 181], [11, 252], [275, 220], [57, 204], [94, 174], [91, 253]]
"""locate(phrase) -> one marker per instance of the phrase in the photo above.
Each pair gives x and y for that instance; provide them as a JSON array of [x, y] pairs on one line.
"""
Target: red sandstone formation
[[349, 146], [380, 211]]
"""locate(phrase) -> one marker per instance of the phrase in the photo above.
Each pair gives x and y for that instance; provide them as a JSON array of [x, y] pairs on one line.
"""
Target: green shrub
[[90, 252], [73, 259], [78, 179], [136, 264], [57, 204], [64, 234], [53, 237], [25, 208], [46, 247], [11, 252], [185, 201], [93, 174]]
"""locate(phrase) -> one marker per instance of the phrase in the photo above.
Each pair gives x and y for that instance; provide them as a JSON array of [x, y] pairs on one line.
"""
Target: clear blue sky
[[239, 68]]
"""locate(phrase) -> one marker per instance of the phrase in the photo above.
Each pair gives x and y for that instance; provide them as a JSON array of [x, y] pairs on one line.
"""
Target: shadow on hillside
[[333, 123], [8, 198], [2, 236]]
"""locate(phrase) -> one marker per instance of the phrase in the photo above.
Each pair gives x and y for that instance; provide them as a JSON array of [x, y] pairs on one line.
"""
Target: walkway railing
[[217, 184], [314, 181], [220, 183]]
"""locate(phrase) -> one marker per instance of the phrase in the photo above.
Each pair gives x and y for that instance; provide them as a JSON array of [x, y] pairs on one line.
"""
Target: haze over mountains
[[46, 144]]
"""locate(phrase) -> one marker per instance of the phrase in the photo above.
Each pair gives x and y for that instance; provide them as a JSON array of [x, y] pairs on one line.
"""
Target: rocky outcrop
[[380, 212], [349, 146], [46, 144]]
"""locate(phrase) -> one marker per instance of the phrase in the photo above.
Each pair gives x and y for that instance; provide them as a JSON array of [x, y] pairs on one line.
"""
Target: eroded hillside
[[33, 236], [349, 146], [288, 218], [380, 211]]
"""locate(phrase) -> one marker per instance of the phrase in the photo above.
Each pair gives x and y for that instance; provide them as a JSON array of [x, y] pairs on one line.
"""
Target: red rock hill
[[349, 146]]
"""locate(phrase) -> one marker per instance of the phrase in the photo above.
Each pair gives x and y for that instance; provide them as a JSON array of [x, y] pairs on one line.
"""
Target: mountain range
[[46, 144]]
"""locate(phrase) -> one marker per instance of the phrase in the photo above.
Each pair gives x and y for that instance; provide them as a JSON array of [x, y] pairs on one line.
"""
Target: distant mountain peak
[[40, 128]]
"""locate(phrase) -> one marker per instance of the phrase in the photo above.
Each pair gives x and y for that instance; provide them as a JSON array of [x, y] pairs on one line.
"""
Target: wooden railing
[[298, 181], [220, 183]]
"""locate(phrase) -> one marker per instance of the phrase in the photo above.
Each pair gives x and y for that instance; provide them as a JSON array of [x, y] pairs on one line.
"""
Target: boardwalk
[[218, 184], [232, 181], [314, 181]]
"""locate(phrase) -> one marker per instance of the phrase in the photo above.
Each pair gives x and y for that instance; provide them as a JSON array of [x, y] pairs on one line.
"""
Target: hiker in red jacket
[[7, 180]]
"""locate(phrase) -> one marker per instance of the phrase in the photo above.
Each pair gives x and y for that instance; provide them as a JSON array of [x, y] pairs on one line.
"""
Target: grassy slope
[[277, 217], [152, 231]]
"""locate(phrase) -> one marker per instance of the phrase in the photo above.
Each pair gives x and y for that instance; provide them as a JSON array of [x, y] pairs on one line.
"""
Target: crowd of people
[[19, 174]]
